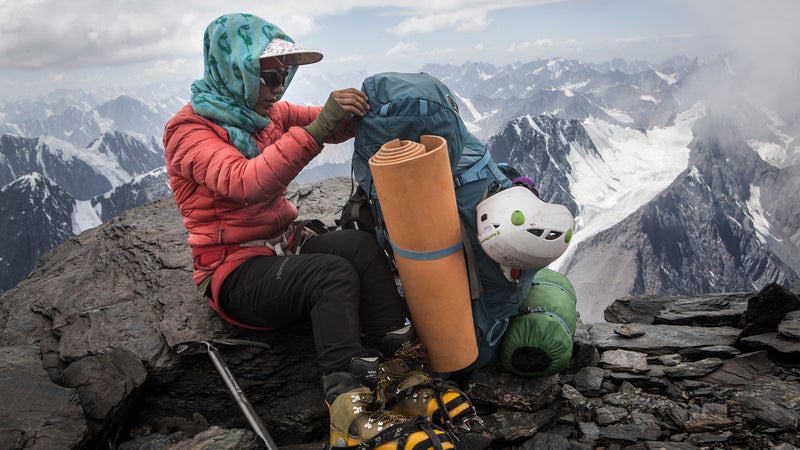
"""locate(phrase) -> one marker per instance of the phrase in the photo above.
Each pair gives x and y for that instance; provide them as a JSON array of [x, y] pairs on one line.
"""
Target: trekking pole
[[197, 347]]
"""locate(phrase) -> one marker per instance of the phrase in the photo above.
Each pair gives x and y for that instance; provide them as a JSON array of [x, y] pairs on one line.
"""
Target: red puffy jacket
[[225, 198]]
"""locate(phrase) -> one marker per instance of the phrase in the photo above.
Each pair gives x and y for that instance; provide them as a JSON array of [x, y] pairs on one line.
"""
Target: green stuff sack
[[538, 342]]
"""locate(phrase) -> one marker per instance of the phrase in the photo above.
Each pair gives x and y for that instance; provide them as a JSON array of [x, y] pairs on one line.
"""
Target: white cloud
[[173, 67], [301, 25], [538, 43], [350, 58], [402, 48], [766, 34], [38, 34], [55, 33], [635, 39], [462, 21], [152, 37], [466, 16], [654, 39]]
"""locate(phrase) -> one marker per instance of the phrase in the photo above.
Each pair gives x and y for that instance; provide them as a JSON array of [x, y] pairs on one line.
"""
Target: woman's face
[[271, 85]]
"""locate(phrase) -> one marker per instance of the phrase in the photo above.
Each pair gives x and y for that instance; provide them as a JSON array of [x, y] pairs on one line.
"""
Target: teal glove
[[329, 120]]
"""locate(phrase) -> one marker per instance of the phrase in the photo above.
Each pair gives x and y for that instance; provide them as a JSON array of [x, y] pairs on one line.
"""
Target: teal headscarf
[[228, 91]]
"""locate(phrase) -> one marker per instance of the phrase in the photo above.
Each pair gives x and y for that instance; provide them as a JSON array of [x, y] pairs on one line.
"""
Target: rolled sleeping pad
[[416, 193], [538, 341]]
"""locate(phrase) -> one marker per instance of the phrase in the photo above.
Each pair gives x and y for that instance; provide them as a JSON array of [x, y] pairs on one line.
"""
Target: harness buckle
[[278, 244]]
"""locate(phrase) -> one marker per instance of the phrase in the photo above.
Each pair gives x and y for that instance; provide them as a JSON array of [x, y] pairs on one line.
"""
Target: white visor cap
[[289, 53]]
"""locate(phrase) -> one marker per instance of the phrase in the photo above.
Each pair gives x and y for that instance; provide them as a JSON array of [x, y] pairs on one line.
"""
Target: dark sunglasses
[[274, 78]]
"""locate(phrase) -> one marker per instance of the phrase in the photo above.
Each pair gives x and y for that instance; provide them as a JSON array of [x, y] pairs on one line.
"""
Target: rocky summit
[[89, 359]]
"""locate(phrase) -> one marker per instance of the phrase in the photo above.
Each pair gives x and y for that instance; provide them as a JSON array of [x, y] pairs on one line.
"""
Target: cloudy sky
[[48, 44]]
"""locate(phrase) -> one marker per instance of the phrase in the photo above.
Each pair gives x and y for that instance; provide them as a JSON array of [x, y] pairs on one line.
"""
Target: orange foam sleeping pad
[[415, 189]]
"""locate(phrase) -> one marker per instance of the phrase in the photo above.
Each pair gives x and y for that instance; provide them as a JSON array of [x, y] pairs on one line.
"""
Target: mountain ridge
[[701, 232], [603, 139]]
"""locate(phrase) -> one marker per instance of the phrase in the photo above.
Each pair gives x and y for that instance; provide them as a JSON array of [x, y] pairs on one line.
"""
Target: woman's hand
[[338, 110], [352, 100]]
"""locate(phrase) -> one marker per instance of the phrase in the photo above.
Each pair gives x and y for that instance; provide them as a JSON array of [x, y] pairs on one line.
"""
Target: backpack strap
[[480, 170], [358, 213], [422, 103], [475, 285], [305, 230], [475, 172], [381, 233]]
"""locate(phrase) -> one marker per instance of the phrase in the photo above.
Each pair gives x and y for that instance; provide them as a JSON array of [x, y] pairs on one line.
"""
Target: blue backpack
[[406, 106]]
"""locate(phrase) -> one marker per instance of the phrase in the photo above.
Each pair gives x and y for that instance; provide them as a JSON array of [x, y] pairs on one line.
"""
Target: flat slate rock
[[662, 339], [630, 433], [509, 426], [775, 402], [639, 309], [694, 369], [712, 351], [787, 347], [670, 360], [709, 309], [589, 381], [741, 369], [629, 330], [712, 310], [624, 361], [545, 441], [490, 384], [218, 438]]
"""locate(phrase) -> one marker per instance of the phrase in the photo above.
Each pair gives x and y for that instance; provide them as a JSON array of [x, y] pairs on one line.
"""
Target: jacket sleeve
[[304, 115], [197, 149]]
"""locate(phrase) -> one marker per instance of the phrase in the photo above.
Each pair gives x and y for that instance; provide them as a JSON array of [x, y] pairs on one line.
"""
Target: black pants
[[341, 281]]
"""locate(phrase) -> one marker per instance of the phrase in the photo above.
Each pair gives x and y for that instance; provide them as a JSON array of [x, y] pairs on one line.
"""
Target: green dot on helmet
[[517, 218]]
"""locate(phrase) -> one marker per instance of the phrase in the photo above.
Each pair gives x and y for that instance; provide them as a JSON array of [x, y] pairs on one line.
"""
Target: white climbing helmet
[[519, 230]]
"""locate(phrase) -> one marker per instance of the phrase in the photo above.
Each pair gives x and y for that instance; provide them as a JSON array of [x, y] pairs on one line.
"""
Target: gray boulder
[[104, 312], [34, 411], [89, 360]]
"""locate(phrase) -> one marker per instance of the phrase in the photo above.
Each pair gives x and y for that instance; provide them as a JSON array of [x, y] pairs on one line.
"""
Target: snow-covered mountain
[[37, 215], [563, 88], [112, 159], [81, 122], [72, 160], [696, 205], [680, 210], [677, 173], [681, 175], [53, 190]]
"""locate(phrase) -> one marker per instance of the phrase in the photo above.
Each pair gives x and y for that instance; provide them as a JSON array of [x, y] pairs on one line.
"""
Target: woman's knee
[[364, 248], [332, 270], [358, 247]]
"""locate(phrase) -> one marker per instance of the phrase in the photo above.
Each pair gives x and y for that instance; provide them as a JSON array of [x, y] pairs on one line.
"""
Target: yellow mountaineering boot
[[408, 388], [353, 425]]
